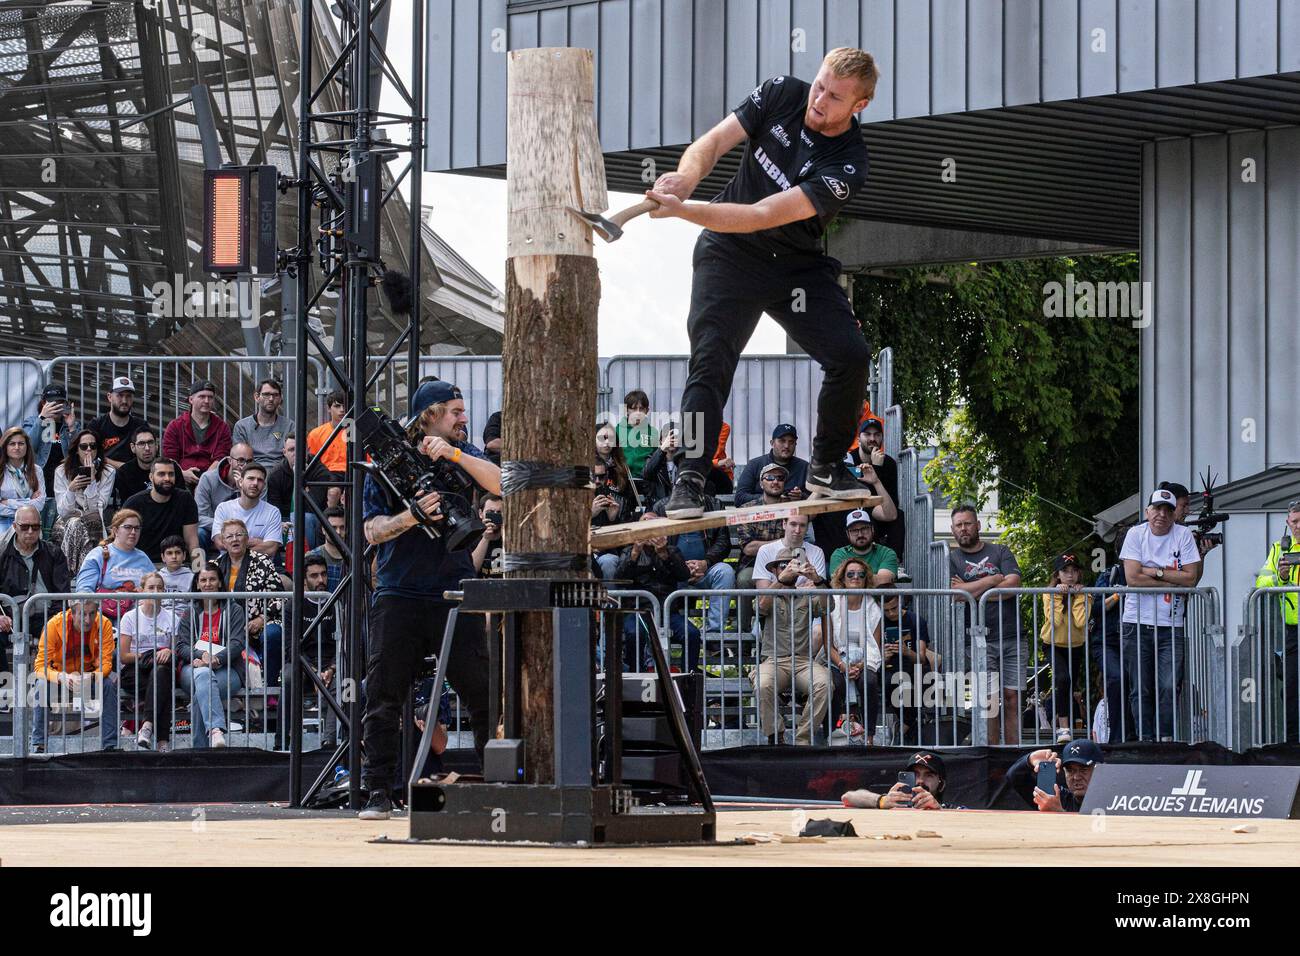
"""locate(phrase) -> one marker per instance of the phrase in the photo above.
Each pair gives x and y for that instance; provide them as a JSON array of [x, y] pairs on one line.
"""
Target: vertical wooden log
[[549, 355]]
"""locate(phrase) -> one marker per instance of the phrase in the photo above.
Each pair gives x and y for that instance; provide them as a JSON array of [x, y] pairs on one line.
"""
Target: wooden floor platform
[[885, 838]]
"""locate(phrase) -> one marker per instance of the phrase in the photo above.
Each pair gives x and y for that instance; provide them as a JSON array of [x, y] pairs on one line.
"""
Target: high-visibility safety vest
[[1270, 577]]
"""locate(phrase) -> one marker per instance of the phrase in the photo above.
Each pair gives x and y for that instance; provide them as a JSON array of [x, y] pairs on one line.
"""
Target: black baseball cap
[[201, 385], [54, 392], [432, 392], [1082, 751], [1067, 559], [929, 760], [871, 423], [1179, 490], [780, 431]]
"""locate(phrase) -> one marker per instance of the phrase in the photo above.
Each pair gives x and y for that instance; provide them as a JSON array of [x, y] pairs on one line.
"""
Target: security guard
[[1282, 569]]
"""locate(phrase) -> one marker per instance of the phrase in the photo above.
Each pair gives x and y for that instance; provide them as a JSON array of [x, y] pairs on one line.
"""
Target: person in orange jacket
[[75, 658], [723, 464]]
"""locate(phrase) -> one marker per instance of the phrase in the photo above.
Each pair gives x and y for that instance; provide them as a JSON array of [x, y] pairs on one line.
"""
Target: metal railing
[[1264, 677], [236, 696], [21, 383], [162, 382], [1158, 681]]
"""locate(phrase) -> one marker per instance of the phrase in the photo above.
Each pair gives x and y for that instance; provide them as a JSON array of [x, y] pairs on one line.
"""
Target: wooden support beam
[[549, 354], [619, 535]]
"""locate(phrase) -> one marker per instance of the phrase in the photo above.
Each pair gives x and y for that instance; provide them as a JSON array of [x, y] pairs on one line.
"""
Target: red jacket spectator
[[180, 444]]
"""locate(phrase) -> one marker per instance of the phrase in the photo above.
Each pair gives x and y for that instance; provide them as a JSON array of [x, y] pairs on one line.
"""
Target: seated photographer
[[487, 553], [611, 504], [655, 565], [1074, 769], [927, 793], [794, 629]]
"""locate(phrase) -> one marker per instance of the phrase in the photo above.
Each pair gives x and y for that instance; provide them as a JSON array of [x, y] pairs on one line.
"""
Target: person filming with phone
[[920, 787]]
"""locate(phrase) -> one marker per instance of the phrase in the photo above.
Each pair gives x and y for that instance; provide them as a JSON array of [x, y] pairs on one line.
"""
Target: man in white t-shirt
[[1158, 555], [262, 518]]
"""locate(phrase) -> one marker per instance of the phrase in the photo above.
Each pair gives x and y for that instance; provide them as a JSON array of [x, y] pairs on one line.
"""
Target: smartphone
[[82, 472], [907, 778], [1046, 777]]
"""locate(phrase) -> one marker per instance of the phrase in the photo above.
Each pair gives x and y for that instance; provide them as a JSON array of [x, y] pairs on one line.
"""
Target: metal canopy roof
[[1066, 170]]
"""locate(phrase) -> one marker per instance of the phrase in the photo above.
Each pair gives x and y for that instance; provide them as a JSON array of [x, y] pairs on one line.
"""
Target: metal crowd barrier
[[10, 687], [1263, 671], [162, 383], [240, 700], [1156, 683], [21, 382], [794, 697]]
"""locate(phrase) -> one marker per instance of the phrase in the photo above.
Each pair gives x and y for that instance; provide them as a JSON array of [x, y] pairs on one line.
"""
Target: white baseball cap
[[857, 516], [1163, 496], [122, 384]]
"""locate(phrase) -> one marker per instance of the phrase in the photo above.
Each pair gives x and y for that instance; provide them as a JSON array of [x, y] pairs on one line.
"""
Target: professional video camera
[[404, 472], [1207, 519]]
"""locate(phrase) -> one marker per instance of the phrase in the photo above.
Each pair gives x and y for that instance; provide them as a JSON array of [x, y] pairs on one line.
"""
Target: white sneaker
[[144, 739], [217, 738], [1063, 736]]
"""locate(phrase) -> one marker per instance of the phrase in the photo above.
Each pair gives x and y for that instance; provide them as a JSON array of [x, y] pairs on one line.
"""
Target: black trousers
[[728, 296], [150, 684], [403, 631]]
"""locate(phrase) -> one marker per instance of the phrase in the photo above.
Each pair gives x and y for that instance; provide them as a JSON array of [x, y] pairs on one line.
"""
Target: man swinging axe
[[761, 251]]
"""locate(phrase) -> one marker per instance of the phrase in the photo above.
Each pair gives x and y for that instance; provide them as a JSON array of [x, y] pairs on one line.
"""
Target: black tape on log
[[517, 476]]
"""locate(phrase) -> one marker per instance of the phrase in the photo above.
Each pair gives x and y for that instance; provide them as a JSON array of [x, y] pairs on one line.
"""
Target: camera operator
[[1279, 570], [1204, 543], [1073, 774], [488, 550], [931, 781], [409, 613]]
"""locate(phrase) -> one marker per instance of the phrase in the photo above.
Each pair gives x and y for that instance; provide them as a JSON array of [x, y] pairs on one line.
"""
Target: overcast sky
[[645, 277]]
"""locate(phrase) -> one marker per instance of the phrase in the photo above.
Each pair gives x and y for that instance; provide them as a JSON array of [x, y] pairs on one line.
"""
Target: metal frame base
[[525, 813]]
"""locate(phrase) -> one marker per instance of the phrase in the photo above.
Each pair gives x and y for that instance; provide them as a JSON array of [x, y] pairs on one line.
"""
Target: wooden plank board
[[623, 534]]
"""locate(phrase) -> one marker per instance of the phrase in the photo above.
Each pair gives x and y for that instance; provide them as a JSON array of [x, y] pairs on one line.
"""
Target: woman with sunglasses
[[117, 564], [22, 483], [83, 488], [855, 649]]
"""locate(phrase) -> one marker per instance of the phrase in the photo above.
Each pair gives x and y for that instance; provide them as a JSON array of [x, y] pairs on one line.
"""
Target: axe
[[611, 228]]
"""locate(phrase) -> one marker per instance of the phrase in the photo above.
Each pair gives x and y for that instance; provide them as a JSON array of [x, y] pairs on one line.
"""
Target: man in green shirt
[[862, 544]]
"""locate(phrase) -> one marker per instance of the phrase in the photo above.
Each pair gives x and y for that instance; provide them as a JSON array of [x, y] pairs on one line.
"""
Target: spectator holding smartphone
[[488, 550], [50, 433], [931, 780], [1074, 768], [83, 488]]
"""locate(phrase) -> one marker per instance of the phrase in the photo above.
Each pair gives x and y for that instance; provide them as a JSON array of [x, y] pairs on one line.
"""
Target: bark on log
[[549, 354]]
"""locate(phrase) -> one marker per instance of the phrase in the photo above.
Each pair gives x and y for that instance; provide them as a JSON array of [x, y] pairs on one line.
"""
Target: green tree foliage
[[1044, 406]]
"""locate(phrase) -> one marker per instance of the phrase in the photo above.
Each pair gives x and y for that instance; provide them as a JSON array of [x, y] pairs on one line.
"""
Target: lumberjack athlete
[[761, 251]]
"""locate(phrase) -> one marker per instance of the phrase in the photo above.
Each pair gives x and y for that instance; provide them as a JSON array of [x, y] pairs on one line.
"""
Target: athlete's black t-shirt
[[781, 154]]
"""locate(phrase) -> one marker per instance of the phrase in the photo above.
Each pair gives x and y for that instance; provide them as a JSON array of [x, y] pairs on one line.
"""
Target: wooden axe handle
[[621, 217]]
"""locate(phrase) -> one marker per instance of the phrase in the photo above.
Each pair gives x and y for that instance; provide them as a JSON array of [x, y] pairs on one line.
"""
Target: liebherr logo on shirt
[[770, 168], [779, 132]]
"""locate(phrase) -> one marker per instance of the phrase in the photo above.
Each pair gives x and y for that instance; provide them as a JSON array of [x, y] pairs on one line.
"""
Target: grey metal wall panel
[[553, 27], [647, 39], [947, 56], [1175, 42], [1060, 51], [1288, 35], [1171, 323], [984, 30], [1022, 51], [741, 51], [912, 53], [492, 77], [1137, 45], [807, 37], [1257, 37], [1098, 50], [1281, 175], [676, 59], [842, 23], [1247, 259], [1148, 253], [523, 31], [467, 40], [438, 55], [615, 83], [773, 38], [1216, 40], [710, 104], [584, 30], [1209, 299], [877, 36]]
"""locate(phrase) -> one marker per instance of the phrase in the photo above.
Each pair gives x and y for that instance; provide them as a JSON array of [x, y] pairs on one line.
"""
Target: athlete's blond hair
[[850, 61]]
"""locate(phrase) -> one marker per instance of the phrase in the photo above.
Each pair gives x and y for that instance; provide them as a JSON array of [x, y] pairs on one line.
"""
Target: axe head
[[607, 230]]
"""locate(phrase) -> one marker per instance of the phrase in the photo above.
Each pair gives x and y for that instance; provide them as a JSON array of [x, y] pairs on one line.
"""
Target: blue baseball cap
[[1082, 751], [780, 431], [432, 392]]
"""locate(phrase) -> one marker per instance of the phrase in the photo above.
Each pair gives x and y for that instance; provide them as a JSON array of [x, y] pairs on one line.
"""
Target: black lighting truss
[[347, 267]]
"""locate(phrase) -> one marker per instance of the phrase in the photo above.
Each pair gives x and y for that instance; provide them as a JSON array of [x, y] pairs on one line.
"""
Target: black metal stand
[[580, 807]]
